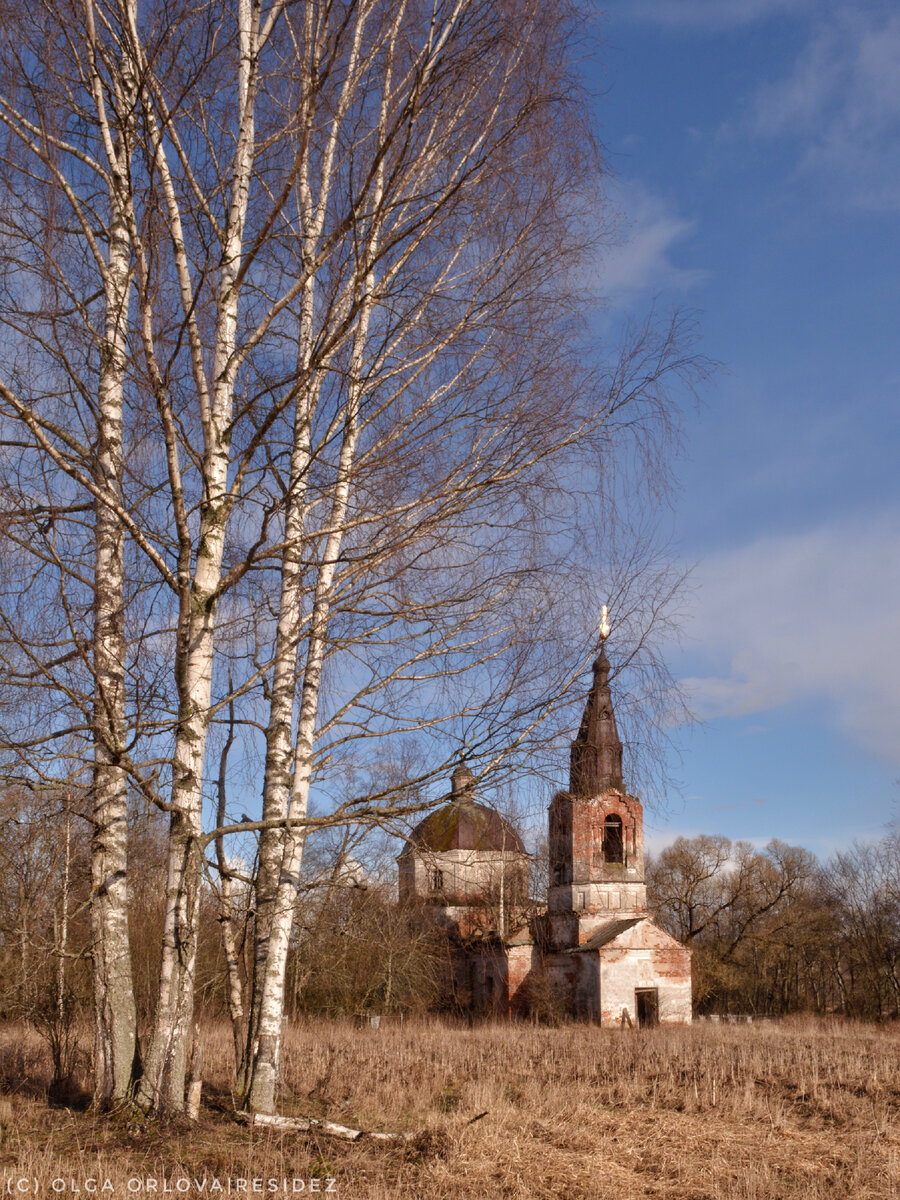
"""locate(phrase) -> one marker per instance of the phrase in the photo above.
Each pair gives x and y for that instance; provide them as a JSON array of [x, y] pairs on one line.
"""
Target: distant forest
[[776, 931]]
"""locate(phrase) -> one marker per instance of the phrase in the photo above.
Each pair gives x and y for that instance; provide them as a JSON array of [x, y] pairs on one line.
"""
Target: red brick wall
[[576, 839]]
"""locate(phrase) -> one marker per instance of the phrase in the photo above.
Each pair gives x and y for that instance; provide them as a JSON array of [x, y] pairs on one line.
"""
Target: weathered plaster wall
[[645, 957], [460, 876]]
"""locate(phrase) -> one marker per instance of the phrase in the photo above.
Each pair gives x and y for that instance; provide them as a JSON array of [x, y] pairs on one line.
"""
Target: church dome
[[465, 824]]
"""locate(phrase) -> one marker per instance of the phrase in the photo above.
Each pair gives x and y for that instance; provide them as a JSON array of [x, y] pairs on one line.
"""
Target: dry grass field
[[759, 1112]]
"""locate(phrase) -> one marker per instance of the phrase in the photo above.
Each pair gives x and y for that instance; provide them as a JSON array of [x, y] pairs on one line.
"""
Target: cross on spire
[[604, 623]]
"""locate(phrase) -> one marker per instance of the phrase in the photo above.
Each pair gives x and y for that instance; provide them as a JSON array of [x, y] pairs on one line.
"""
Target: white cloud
[[841, 102], [637, 257], [708, 14], [840, 98], [811, 616], [657, 840]]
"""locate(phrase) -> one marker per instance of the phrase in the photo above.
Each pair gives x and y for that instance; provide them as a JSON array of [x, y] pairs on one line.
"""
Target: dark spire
[[596, 762]]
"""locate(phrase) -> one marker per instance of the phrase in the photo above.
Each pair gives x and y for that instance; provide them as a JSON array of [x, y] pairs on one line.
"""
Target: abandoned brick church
[[593, 951]]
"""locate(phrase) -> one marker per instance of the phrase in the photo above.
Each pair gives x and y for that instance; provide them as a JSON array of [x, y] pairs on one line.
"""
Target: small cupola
[[462, 782]]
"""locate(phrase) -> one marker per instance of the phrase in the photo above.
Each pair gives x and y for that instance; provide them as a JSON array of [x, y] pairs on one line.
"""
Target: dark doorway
[[494, 989], [646, 1002]]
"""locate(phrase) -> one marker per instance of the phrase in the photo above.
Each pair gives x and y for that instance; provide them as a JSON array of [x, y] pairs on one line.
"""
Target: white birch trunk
[[266, 1048], [114, 1005], [234, 991], [277, 781], [268, 1029], [279, 734], [162, 1086], [267, 1022], [163, 1083]]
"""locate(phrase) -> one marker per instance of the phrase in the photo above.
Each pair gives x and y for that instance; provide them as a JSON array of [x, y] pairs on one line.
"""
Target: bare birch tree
[[38, 148], [115, 1038], [293, 416]]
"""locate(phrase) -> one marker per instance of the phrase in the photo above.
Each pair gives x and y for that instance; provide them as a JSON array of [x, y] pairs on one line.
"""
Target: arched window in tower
[[613, 844]]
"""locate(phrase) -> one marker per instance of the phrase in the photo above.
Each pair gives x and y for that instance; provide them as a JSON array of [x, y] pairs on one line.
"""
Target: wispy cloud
[[811, 616], [638, 256], [840, 102], [707, 14], [757, 801]]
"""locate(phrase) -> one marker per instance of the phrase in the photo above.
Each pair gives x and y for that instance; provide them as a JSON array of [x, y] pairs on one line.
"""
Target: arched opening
[[613, 844], [435, 879]]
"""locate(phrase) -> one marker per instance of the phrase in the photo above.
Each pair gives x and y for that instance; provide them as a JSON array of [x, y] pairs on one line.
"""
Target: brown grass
[[761, 1112]]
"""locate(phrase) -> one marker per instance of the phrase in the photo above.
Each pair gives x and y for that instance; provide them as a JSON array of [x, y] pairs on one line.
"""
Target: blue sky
[[755, 146]]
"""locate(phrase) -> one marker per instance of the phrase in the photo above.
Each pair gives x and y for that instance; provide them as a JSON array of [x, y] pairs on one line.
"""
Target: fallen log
[[312, 1125]]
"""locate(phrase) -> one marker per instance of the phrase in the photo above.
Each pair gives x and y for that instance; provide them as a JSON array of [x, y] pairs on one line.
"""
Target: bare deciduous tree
[[298, 436]]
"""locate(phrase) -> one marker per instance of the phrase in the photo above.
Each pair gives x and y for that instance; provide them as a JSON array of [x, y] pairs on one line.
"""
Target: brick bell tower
[[596, 828]]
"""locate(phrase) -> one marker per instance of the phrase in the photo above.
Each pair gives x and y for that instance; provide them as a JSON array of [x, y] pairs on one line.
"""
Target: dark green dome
[[466, 825]]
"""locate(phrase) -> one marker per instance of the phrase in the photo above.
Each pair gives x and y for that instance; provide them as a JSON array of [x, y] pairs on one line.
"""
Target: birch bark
[[266, 1049], [281, 851], [162, 1085], [114, 1006], [268, 1024], [233, 984], [289, 767], [277, 780]]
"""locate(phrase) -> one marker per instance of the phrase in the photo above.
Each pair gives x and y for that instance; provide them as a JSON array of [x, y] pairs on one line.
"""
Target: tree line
[[775, 931]]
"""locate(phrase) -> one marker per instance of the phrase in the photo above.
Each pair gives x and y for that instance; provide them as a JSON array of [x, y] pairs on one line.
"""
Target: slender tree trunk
[[114, 1006], [290, 778], [266, 1049], [63, 939], [162, 1085], [277, 781], [233, 985], [24, 986], [234, 989], [279, 733]]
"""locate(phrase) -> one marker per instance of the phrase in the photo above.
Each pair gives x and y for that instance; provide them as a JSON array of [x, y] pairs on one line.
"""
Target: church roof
[[606, 933], [596, 758], [465, 824]]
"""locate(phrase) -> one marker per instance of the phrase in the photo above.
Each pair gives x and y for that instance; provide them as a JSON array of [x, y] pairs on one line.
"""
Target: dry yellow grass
[[761, 1112]]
